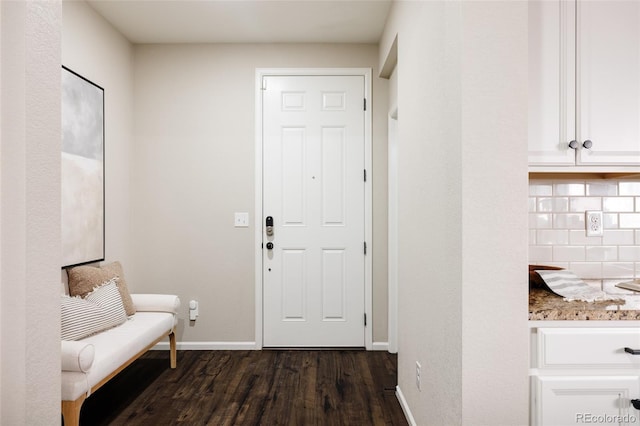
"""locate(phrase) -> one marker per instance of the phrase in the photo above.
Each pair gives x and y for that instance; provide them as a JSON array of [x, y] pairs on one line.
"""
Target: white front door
[[314, 189]]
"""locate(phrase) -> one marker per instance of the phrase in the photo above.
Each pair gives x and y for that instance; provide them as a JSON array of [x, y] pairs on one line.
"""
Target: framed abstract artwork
[[83, 231]]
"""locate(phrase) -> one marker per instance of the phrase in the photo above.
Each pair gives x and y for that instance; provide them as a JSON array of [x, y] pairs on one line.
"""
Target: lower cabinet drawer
[[587, 347], [564, 400]]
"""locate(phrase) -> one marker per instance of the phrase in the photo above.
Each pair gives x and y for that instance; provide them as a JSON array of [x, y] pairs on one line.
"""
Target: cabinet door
[[563, 400], [551, 82], [608, 81]]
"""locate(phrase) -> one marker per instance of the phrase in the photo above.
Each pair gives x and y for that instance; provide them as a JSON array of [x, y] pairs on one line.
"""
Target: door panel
[[313, 187], [333, 285], [293, 285], [293, 172], [333, 174]]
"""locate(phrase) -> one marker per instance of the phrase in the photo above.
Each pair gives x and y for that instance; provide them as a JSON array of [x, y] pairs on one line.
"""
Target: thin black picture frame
[[82, 170]]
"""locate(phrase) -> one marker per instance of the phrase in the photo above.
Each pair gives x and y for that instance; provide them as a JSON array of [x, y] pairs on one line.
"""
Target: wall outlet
[[418, 383], [593, 223], [193, 310]]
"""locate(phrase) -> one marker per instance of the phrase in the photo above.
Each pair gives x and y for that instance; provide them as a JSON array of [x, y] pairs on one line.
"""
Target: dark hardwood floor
[[284, 387]]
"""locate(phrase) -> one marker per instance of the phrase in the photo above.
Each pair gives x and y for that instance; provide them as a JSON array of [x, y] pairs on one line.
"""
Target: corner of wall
[[30, 212]]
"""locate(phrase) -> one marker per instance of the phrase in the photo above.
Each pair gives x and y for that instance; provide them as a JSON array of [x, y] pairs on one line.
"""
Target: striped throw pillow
[[99, 310]]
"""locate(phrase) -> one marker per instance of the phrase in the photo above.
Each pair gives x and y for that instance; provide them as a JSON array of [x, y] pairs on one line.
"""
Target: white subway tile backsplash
[[581, 204], [569, 253], [587, 270], [629, 220], [541, 189], [629, 253], [563, 265], [551, 237], [601, 253], [576, 189], [540, 254], [540, 221], [557, 234], [618, 270], [602, 188], [617, 204], [544, 204], [617, 237], [568, 221], [610, 220], [557, 205], [629, 188], [580, 238]]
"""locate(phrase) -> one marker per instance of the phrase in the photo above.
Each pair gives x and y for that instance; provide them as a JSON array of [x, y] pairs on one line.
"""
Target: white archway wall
[[393, 146], [463, 142], [30, 212]]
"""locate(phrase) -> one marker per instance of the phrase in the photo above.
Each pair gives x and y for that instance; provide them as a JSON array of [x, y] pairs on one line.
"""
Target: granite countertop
[[547, 306]]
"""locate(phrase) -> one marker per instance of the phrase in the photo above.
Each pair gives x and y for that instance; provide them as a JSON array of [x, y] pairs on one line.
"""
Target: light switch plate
[[241, 220]]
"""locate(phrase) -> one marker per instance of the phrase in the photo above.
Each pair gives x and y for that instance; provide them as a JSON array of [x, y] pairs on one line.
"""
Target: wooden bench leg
[[71, 411], [172, 349]]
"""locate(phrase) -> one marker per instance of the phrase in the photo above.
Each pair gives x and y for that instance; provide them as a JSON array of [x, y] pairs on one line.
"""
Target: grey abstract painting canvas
[[82, 170]]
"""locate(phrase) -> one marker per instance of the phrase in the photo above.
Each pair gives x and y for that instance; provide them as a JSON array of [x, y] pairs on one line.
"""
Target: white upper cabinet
[[584, 84], [551, 82], [608, 81]]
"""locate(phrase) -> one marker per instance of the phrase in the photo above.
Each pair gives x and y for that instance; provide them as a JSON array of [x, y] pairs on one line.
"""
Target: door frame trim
[[368, 192]]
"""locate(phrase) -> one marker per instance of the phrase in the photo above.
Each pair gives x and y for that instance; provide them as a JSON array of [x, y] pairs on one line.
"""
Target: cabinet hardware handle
[[636, 403], [632, 351], [587, 144], [573, 144]]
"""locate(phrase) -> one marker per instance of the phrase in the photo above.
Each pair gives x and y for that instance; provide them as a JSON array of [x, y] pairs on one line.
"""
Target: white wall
[[462, 153], [94, 49], [193, 167], [30, 213], [172, 188], [494, 151]]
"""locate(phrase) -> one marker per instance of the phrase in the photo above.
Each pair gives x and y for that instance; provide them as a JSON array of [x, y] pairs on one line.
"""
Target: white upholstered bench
[[89, 363], [104, 329]]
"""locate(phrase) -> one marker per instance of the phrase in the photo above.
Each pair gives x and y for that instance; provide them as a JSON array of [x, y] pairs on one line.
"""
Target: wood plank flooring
[[283, 387]]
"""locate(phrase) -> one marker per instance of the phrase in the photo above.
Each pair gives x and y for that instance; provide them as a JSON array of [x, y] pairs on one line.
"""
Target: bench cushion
[[114, 347]]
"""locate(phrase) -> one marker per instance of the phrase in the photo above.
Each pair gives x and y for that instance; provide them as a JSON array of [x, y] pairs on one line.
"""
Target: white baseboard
[[208, 346], [234, 346], [405, 407], [380, 346]]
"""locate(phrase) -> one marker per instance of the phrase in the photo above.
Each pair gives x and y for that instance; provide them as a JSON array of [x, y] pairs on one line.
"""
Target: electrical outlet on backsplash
[[558, 231]]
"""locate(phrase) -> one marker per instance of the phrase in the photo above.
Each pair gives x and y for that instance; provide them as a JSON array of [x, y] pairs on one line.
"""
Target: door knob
[[269, 245], [636, 403], [587, 144], [573, 144]]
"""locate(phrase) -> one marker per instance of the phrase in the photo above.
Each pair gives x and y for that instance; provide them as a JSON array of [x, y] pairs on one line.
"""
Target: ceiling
[[246, 21]]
